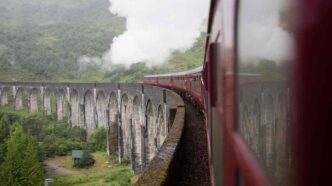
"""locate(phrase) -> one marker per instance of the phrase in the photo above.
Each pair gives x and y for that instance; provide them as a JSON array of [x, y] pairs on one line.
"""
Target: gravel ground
[[55, 168], [194, 167]]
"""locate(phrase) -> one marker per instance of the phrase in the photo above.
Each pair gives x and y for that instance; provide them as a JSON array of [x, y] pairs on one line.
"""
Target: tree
[[21, 165], [34, 125], [4, 134], [4, 128], [98, 139]]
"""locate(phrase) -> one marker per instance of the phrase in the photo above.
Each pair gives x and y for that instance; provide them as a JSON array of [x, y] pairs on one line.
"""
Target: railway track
[[194, 168]]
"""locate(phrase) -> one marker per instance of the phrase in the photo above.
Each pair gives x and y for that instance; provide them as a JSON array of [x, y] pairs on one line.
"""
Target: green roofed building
[[82, 158], [77, 155]]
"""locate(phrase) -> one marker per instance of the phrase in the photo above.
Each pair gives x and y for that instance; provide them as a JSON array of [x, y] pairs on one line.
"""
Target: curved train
[[267, 119]]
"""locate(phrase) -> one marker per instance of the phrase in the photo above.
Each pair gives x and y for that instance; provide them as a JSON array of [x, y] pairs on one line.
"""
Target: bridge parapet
[[157, 171]]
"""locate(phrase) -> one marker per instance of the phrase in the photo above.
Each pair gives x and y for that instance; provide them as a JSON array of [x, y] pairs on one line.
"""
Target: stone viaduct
[[140, 118], [264, 123], [137, 117]]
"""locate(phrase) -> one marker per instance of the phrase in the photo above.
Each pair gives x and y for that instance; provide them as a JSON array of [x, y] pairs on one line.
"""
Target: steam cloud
[[260, 34], [86, 62], [155, 28]]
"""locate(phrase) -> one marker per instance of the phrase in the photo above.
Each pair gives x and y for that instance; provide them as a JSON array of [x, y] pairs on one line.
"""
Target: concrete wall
[[47, 102], [60, 104], [125, 121], [161, 126], [137, 125], [19, 99], [74, 111], [150, 128], [4, 96], [101, 106], [89, 111], [113, 125], [34, 100]]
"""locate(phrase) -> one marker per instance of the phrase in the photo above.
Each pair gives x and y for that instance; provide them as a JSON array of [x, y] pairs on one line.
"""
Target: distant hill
[[42, 40]]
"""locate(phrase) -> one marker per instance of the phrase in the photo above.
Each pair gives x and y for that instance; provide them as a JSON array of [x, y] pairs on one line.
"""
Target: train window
[[216, 75], [263, 108]]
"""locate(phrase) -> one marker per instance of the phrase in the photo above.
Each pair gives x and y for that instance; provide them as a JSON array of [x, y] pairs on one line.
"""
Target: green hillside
[[42, 40]]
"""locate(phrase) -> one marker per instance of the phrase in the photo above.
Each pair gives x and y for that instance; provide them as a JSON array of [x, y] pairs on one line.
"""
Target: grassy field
[[106, 170], [103, 173], [117, 176], [102, 163]]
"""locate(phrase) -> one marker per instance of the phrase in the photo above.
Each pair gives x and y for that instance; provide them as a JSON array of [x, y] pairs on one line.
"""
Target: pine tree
[[4, 134], [4, 128], [21, 166]]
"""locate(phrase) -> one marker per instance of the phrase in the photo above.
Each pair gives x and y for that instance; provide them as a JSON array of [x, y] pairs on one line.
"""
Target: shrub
[[34, 125], [125, 161], [53, 146], [4, 134], [98, 139], [78, 134]]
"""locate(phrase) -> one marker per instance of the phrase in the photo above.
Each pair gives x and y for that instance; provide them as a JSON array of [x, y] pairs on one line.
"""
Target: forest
[[44, 40], [28, 141]]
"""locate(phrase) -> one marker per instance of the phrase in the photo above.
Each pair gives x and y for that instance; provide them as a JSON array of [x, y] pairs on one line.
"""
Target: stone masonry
[[135, 116]]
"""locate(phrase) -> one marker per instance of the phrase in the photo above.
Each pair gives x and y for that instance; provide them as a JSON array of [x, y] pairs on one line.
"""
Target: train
[[267, 116]]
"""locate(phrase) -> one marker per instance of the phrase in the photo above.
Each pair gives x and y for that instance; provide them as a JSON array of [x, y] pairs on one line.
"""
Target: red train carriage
[[188, 81], [267, 112]]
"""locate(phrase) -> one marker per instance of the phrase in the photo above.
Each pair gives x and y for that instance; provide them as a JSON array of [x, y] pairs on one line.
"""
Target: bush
[[85, 162], [11, 115], [98, 139], [54, 138], [125, 161], [4, 134], [34, 125], [121, 177], [53, 146], [78, 134], [59, 129]]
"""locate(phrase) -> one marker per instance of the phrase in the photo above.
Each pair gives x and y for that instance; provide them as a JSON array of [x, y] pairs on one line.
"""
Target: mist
[[86, 62], [260, 33], [154, 29]]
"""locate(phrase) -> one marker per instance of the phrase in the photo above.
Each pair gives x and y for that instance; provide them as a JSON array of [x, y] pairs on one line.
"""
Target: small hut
[[82, 159], [77, 156]]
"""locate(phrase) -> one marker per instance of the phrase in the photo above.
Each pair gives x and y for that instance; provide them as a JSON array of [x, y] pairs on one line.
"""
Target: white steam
[[86, 62], [260, 33], [155, 28]]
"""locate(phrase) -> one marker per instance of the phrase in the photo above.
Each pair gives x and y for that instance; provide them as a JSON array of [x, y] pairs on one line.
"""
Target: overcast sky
[[155, 28]]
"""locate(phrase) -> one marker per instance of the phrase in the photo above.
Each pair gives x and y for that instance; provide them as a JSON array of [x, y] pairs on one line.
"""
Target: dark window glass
[[264, 59]]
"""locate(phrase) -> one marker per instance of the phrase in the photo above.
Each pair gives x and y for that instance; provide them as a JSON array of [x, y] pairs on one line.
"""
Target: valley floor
[[103, 173]]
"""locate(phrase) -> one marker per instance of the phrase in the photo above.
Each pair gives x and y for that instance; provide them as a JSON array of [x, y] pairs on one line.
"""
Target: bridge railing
[[158, 169]]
